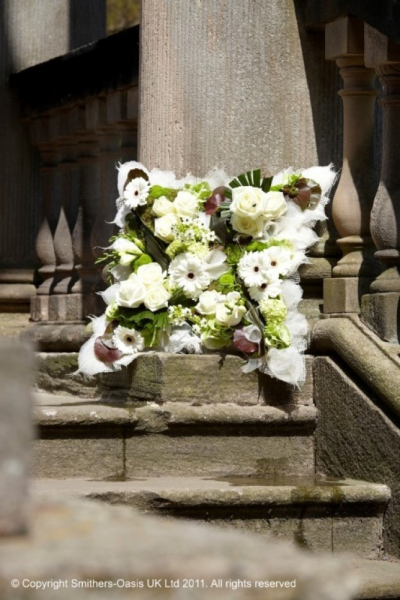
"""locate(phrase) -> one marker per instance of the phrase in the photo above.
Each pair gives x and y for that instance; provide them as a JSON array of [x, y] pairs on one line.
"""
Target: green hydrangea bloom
[[199, 249], [277, 336], [273, 310], [175, 247]]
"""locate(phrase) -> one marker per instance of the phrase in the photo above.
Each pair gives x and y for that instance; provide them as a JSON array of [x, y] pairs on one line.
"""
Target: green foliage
[[234, 253], [157, 191], [253, 179], [143, 259]]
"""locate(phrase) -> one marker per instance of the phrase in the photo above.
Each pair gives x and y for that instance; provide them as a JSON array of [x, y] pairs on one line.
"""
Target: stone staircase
[[193, 438]]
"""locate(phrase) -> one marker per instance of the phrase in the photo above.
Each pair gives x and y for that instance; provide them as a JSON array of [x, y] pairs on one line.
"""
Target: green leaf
[[257, 246], [266, 184]]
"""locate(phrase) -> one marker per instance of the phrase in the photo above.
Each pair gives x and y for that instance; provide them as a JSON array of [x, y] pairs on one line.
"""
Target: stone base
[[381, 313], [66, 307], [343, 294], [57, 337]]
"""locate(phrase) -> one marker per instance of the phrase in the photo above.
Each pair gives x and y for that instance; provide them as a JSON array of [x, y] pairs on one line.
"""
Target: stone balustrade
[[366, 207], [82, 130]]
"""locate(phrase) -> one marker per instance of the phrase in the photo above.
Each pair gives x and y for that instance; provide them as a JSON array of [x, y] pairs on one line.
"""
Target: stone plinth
[[16, 362]]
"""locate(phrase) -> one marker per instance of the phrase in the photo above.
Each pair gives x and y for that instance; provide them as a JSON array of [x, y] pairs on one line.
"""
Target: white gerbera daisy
[[252, 268], [128, 341], [278, 260], [189, 273], [136, 192], [267, 289]]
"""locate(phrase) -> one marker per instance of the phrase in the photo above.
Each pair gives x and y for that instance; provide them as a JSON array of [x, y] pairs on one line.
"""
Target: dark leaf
[[214, 201], [266, 184], [104, 353], [219, 226], [242, 343]]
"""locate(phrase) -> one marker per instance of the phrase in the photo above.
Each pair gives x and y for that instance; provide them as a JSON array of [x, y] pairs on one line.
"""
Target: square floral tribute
[[208, 264]]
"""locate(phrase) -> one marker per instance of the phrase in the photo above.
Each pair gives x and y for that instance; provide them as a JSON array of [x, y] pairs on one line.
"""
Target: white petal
[[123, 172], [291, 293], [109, 295], [287, 365], [251, 365], [215, 263], [88, 363], [119, 220], [325, 176], [121, 273]]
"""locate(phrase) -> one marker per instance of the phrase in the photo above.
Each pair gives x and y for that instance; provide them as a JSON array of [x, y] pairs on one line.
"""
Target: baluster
[[355, 193], [381, 307], [89, 192]]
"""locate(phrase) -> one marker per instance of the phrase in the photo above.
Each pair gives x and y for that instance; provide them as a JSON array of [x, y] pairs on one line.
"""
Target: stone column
[[16, 378], [381, 308], [216, 81], [355, 193]]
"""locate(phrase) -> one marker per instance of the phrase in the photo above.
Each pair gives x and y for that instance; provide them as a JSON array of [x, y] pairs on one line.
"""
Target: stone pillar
[[226, 84], [381, 308], [30, 33], [355, 193], [16, 378]]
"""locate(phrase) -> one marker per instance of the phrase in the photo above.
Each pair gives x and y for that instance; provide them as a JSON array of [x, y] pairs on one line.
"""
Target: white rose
[[248, 201], [124, 246], [186, 205], [131, 292], [163, 227], [233, 297], [208, 302], [157, 297], [162, 206], [151, 274], [275, 205], [229, 316], [247, 226]]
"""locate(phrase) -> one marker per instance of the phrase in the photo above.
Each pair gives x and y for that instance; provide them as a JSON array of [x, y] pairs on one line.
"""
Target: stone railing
[[81, 110], [366, 208]]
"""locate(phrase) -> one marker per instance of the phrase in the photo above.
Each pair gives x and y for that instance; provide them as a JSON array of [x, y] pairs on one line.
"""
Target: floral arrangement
[[207, 264]]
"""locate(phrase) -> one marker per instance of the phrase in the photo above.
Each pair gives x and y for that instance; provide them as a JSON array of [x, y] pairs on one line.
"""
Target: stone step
[[208, 378], [317, 513], [77, 438], [380, 580]]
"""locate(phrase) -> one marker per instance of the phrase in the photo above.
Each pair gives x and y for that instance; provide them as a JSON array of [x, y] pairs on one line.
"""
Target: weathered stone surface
[[57, 337], [343, 294], [16, 374], [96, 439], [199, 379], [196, 127], [90, 542], [355, 438], [380, 312], [308, 514], [374, 361], [94, 456], [156, 455], [12, 325]]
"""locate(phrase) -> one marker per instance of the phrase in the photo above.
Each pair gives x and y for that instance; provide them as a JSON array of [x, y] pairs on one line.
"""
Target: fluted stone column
[[381, 309], [226, 84], [353, 199]]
